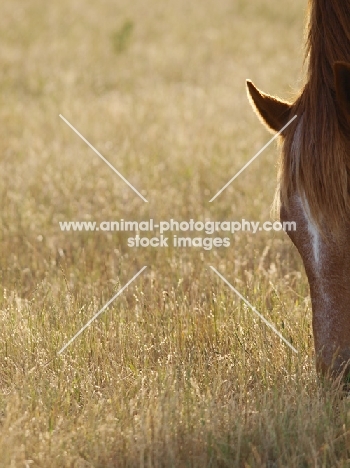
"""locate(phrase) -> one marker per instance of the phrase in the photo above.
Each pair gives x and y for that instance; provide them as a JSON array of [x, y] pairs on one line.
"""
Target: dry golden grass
[[177, 372]]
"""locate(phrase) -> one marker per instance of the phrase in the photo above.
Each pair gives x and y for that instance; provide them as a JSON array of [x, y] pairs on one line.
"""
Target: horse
[[313, 188]]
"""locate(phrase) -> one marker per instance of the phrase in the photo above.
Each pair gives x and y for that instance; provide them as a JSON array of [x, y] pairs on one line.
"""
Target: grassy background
[[178, 372]]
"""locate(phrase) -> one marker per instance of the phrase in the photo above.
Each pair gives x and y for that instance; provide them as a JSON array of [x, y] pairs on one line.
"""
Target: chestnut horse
[[314, 176]]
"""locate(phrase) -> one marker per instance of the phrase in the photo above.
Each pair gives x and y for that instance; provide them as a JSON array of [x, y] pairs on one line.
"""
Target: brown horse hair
[[315, 158]]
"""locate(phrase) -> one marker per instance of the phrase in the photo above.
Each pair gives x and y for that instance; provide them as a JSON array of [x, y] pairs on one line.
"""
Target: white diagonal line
[[100, 311], [255, 311], [104, 159], [253, 158]]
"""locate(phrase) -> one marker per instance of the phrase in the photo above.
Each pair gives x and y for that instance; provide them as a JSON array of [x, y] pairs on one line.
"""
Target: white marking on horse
[[314, 234], [322, 300]]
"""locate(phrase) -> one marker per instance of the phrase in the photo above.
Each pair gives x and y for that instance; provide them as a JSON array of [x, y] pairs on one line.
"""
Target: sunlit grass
[[178, 371]]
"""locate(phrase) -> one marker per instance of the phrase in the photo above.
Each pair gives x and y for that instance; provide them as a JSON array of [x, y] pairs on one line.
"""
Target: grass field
[[178, 371]]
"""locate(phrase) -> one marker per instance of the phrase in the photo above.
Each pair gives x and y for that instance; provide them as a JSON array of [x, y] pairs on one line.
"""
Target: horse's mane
[[316, 155]]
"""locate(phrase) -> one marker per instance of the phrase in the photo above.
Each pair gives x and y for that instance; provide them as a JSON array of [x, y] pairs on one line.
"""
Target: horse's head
[[314, 193]]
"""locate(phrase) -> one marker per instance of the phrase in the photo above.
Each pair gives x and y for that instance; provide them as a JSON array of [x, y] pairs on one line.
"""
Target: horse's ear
[[274, 112], [342, 83]]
